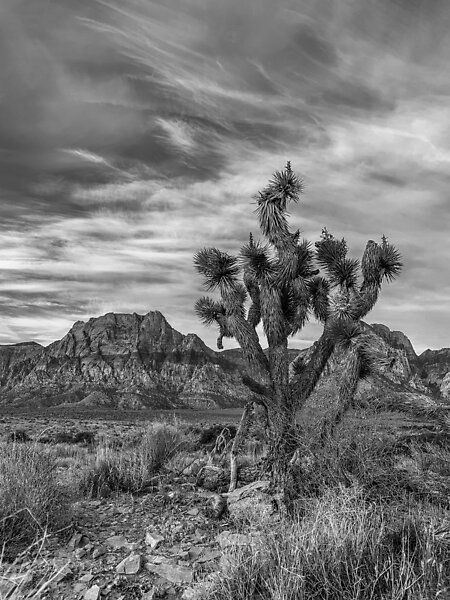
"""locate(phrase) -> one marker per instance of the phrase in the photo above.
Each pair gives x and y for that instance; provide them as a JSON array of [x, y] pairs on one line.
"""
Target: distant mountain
[[434, 369], [396, 339], [124, 361], [131, 361]]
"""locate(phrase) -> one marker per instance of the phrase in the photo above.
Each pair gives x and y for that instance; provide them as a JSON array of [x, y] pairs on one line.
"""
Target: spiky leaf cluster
[[218, 268]]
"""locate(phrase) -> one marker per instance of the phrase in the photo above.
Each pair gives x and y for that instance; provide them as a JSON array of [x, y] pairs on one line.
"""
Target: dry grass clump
[[131, 470], [385, 468], [31, 501], [29, 579], [341, 547]]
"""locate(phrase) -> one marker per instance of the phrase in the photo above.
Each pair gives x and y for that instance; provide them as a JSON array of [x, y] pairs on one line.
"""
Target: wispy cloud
[[134, 132]]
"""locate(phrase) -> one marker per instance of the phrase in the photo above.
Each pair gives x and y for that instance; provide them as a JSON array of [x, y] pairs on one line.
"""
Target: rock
[[194, 467], [86, 578], [227, 539], [190, 593], [173, 573], [75, 541], [64, 573], [213, 478], [153, 539], [209, 555], [117, 541], [251, 501], [93, 593], [130, 565], [195, 552], [100, 551], [193, 512], [216, 506]]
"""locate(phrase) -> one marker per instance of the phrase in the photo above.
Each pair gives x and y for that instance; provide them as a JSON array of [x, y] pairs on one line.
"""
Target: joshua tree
[[283, 285]]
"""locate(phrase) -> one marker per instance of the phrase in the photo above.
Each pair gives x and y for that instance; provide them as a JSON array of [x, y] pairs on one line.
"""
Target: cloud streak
[[132, 133]]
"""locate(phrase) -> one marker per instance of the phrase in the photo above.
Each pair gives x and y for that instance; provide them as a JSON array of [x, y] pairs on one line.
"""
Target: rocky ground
[[159, 545]]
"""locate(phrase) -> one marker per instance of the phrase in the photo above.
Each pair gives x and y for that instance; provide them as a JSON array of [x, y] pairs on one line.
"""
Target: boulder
[[129, 565], [213, 478], [251, 501]]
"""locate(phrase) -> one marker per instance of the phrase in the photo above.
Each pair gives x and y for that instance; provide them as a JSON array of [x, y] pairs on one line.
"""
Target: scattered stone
[[130, 565], [216, 506], [195, 552], [86, 578], [211, 477], [173, 573], [93, 593], [227, 539], [193, 512], [63, 573], [209, 555], [251, 500], [117, 541], [153, 540], [100, 551], [75, 540]]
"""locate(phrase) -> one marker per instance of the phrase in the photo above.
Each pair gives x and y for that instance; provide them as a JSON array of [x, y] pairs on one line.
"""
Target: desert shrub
[[375, 463], [342, 547], [131, 470], [69, 437], [30, 499], [19, 436], [160, 442]]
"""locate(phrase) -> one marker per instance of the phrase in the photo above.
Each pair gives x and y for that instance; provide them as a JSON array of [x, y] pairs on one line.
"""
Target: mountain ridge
[[132, 361]]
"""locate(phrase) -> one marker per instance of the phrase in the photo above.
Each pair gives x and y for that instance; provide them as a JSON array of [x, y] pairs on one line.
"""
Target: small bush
[[20, 436], [131, 470], [30, 499], [69, 437], [342, 548]]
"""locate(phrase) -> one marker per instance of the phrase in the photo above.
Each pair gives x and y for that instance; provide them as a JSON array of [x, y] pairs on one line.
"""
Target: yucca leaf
[[256, 259], [390, 260], [371, 359], [284, 187], [345, 331], [272, 218], [218, 268], [329, 250], [344, 272], [320, 302], [208, 310], [342, 306]]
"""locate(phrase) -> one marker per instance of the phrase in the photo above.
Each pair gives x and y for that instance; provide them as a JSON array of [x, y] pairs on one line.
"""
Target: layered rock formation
[[124, 361], [131, 361], [434, 369]]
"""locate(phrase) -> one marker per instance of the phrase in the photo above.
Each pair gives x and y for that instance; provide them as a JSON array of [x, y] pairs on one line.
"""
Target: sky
[[134, 133]]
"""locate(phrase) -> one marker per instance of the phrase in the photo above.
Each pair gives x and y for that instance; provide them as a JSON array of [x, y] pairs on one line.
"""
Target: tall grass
[[31, 501], [131, 470], [341, 547]]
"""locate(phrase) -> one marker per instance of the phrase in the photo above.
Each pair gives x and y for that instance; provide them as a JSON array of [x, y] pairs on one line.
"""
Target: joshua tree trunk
[[237, 442]]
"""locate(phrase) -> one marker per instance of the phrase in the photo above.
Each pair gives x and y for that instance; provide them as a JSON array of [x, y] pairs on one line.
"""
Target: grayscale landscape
[[224, 300]]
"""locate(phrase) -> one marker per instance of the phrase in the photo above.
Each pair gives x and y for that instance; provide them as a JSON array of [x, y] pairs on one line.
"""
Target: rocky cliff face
[[132, 361], [396, 339], [434, 369], [124, 361]]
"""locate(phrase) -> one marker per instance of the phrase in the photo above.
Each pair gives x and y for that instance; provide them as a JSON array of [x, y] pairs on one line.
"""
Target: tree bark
[[238, 438]]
